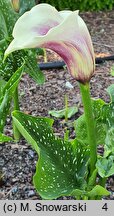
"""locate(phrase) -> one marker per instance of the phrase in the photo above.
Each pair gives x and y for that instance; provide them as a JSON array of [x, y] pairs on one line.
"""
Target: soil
[[18, 160]]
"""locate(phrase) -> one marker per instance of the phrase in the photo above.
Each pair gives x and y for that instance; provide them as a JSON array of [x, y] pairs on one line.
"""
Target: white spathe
[[64, 32]]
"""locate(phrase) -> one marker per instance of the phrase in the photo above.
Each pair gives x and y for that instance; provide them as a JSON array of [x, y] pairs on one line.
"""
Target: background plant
[[83, 5], [15, 61], [66, 113]]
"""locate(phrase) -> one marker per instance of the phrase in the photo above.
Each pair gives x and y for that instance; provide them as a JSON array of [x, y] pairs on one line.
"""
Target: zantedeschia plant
[[67, 167]]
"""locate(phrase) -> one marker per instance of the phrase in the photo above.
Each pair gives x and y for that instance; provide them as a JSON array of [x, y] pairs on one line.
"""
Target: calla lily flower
[[64, 32]]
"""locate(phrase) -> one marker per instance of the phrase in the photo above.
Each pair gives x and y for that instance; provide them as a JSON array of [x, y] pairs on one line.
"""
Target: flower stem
[[102, 181], [16, 132], [86, 99], [45, 55], [66, 108]]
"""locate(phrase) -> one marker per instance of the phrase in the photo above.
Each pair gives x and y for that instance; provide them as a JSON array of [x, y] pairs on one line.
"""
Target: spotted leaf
[[110, 91], [8, 67], [7, 94], [105, 166], [2, 84], [32, 67], [26, 5], [9, 17], [80, 124], [4, 110], [62, 166], [108, 118]]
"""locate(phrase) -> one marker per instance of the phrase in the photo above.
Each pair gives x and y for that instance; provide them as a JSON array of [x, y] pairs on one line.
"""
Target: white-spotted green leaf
[[108, 118], [110, 91], [105, 166], [13, 81], [3, 27], [7, 94], [62, 113], [62, 166], [8, 18], [26, 5], [9, 15], [81, 128], [4, 110], [2, 84], [4, 138], [32, 67], [109, 142]]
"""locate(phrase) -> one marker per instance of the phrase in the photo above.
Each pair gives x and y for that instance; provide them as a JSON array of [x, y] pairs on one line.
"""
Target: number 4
[[105, 207]]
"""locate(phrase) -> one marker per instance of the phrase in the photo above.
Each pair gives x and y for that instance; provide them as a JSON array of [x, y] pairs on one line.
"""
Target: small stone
[[31, 193], [112, 188], [15, 180], [26, 188], [1, 162], [69, 85], [64, 198], [14, 190], [1, 195], [31, 154], [0, 148], [111, 181]]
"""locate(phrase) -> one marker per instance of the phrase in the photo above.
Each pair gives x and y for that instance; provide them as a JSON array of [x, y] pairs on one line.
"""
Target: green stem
[[66, 135], [66, 108], [86, 99], [78, 197], [45, 55], [102, 181], [16, 132], [85, 198]]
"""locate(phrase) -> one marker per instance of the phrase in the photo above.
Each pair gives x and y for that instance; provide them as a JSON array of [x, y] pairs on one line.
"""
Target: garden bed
[[18, 160]]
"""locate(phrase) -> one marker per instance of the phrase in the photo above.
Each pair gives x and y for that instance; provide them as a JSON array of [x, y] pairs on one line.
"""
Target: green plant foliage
[[105, 166], [82, 5], [112, 71], [95, 192], [80, 124], [98, 191], [108, 117], [110, 91], [7, 20], [62, 113], [4, 138], [7, 94], [92, 179], [26, 5], [2, 84], [8, 17], [104, 121], [12, 66], [31, 66], [62, 166]]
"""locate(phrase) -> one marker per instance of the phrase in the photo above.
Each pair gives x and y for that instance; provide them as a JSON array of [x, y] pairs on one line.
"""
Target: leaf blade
[[58, 165]]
